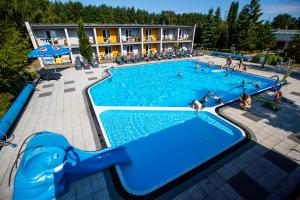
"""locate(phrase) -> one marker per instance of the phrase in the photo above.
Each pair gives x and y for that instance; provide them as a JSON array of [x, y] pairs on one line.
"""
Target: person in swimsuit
[[197, 105], [245, 101]]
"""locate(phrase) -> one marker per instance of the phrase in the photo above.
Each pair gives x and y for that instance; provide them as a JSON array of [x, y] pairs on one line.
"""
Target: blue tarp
[[11, 115], [232, 55], [48, 50]]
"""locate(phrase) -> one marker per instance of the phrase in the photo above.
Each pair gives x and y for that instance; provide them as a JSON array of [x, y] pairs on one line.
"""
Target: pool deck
[[265, 168]]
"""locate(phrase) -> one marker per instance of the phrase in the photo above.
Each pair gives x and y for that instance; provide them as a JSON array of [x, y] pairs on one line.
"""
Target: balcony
[[169, 38], [151, 38], [131, 39], [184, 37], [55, 41]]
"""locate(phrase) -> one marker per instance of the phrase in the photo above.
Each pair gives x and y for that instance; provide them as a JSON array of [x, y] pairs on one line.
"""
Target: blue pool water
[[164, 145], [159, 85]]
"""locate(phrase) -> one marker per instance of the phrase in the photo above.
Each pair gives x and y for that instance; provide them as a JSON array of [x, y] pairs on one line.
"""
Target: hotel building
[[110, 39]]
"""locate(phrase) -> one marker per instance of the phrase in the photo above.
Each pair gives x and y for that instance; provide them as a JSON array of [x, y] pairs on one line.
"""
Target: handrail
[[276, 86]]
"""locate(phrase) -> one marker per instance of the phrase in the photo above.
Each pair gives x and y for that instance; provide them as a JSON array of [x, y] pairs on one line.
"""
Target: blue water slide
[[215, 53], [50, 163], [11, 115]]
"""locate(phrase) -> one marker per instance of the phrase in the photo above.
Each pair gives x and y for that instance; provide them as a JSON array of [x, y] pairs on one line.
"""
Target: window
[[166, 34], [51, 37], [106, 35], [180, 34], [108, 50], [148, 48], [148, 34], [128, 33], [164, 47], [129, 49]]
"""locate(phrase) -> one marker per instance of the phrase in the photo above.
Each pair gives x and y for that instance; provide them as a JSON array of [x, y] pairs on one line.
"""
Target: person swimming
[[216, 97], [257, 85], [180, 74]]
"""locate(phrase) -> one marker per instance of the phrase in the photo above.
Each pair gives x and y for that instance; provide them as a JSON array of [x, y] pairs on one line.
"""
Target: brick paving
[[269, 166]]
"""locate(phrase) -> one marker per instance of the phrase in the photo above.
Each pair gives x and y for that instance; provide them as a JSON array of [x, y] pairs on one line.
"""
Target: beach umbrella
[[48, 50]]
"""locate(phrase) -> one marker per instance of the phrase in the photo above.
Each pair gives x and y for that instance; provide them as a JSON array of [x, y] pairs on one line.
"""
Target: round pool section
[[165, 145], [159, 85]]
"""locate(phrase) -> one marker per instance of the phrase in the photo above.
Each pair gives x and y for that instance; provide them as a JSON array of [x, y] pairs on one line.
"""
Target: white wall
[[136, 49], [186, 33], [73, 37], [172, 33], [75, 52], [41, 36], [186, 46], [134, 31], [90, 34]]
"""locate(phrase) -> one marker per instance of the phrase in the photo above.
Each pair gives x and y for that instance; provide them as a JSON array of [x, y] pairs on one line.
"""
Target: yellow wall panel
[[154, 34], [113, 34]]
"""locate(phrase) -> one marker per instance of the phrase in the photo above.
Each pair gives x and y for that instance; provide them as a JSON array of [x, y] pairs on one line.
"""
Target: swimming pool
[[158, 85], [166, 145], [146, 108]]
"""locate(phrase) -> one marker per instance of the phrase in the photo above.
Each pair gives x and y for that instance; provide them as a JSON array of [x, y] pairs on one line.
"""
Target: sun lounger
[[78, 64], [157, 56], [164, 56], [49, 75], [86, 64], [125, 59], [152, 57], [119, 60], [94, 63]]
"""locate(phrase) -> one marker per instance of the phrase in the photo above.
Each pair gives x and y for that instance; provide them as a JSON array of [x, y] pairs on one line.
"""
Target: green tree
[[249, 27], [85, 46], [293, 50], [209, 30], [168, 17], [284, 21], [231, 22], [13, 55], [242, 27]]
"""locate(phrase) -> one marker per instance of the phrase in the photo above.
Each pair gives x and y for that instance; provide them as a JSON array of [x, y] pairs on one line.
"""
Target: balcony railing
[[185, 37], [149, 39], [56, 41], [109, 40], [131, 39], [169, 38]]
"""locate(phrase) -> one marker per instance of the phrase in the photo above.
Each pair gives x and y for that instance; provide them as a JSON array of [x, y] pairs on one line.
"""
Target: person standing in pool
[[180, 74], [228, 62], [197, 105]]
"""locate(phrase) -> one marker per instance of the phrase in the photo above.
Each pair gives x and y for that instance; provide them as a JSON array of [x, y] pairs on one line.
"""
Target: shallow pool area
[[159, 85], [167, 145]]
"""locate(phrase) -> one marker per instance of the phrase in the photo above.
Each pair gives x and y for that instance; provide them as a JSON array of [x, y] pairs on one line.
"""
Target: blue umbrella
[[48, 50]]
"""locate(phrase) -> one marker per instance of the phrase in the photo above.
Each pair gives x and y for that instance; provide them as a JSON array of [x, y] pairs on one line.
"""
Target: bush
[[31, 75], [5, 102], [273, 59]]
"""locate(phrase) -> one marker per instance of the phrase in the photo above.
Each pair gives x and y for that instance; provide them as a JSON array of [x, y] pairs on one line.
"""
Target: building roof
[[95, 25]]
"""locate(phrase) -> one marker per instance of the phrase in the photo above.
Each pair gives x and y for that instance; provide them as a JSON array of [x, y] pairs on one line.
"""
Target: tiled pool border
[[217, 110]]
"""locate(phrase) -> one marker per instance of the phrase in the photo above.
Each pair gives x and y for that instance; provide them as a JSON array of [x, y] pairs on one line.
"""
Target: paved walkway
[[264, 168]]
